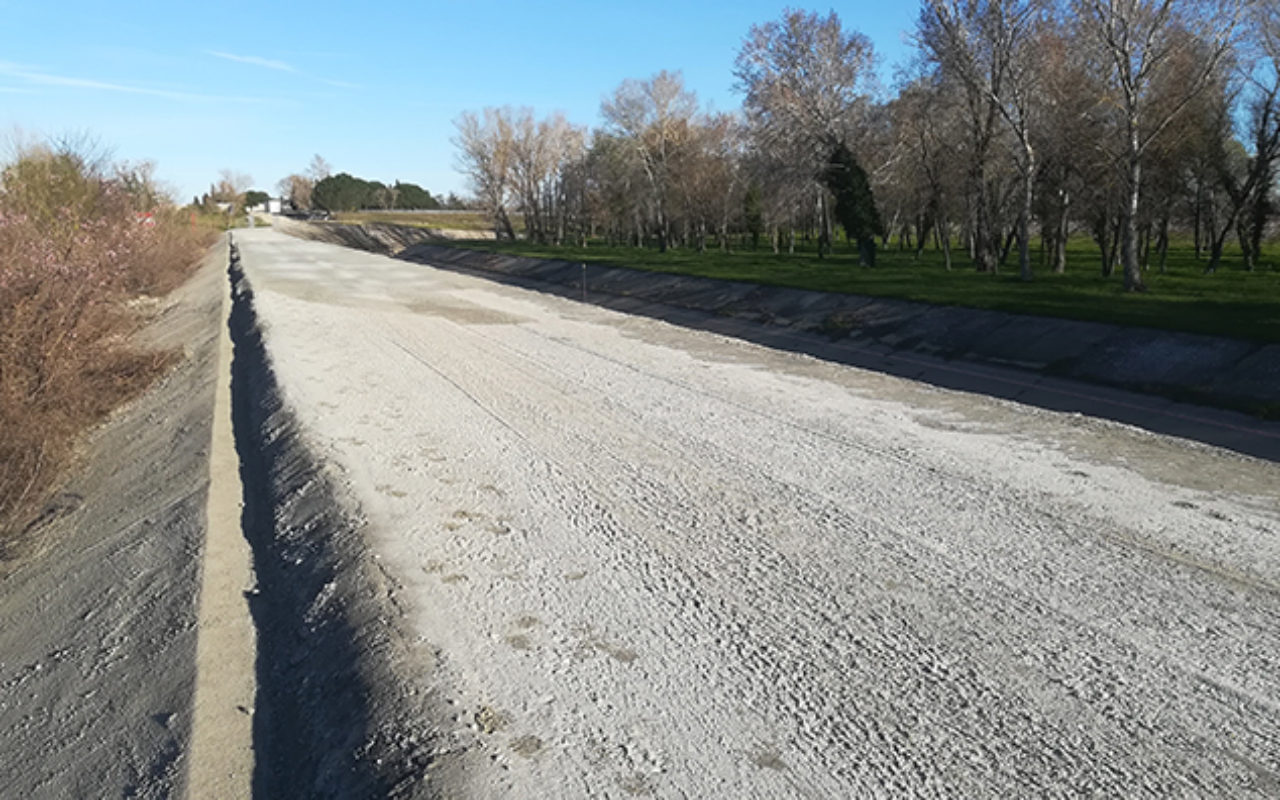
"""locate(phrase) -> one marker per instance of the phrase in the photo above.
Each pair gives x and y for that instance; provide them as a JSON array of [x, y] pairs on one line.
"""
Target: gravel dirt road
[[644, 560]]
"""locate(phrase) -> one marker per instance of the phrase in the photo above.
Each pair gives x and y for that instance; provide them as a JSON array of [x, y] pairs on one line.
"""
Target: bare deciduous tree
[[485, 156], [805, 81], [1259, 71], [231, 188], [297, 188], [542, 151], [1137, 41], [927, 122], [990, 47], [318, 169], [653, 116]]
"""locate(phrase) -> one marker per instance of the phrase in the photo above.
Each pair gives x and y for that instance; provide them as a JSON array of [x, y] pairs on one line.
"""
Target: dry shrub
[[73, 251]]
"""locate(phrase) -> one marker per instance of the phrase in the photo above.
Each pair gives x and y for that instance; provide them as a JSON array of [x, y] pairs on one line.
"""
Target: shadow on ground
[[334, 716]]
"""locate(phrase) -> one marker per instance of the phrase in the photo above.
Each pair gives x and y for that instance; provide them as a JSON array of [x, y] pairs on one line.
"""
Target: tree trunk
[[1115, 248], [945, 231], [1215, 250], [888, 231], [1007, 246], [824, 225], [1102, 235], [1197, 222], [1249, 242], [1028, 208], [1162, 243], [985, 241], [504, 224], [1062, 228], [1129, 223]]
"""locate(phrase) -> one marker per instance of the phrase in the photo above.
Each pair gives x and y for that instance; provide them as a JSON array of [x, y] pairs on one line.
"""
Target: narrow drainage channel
[[325, 716]]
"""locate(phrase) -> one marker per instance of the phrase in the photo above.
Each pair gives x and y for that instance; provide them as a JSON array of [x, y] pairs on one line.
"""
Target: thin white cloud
[[46, 79], [280, 66], [254, 60], [14, 90]]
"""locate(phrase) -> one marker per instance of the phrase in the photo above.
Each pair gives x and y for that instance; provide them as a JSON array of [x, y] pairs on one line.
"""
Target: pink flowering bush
[[72, 252]]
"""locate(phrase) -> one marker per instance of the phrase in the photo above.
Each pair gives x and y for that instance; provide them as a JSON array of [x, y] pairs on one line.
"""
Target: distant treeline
[[345, 192], [319, 188]]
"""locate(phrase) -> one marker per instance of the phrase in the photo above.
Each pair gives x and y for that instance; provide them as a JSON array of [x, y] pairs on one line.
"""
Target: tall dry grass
[[73, 251]]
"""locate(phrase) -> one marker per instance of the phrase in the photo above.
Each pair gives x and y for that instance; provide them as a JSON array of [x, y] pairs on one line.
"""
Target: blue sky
[[374, 88]]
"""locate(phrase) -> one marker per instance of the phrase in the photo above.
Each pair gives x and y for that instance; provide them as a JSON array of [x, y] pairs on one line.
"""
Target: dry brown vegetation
[[76, 245]]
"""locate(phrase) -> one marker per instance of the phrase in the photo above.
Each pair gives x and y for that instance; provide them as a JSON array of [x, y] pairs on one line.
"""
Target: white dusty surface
[[657, 561]]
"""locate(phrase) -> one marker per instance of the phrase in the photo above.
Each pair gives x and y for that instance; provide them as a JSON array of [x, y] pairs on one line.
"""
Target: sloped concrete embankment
[[335, 715], [1217, 371], [387, 239]]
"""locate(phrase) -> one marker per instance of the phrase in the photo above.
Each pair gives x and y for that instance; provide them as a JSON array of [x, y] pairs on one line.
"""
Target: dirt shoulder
[[98, 610]]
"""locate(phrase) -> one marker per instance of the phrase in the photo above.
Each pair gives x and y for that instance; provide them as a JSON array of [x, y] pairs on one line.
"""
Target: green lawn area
[[1231, 302]]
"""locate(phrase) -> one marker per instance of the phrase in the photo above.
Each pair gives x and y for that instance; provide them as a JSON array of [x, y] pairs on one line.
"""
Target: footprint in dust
[[624, 655], [432, 565], [527, 746], [390, 491], [768, 758], [1185, 504], [636, 784], [455, 577], [576, 575], [519, 641]]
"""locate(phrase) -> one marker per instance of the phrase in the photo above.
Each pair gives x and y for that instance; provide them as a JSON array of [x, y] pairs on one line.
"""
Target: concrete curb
[[222, 757]]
